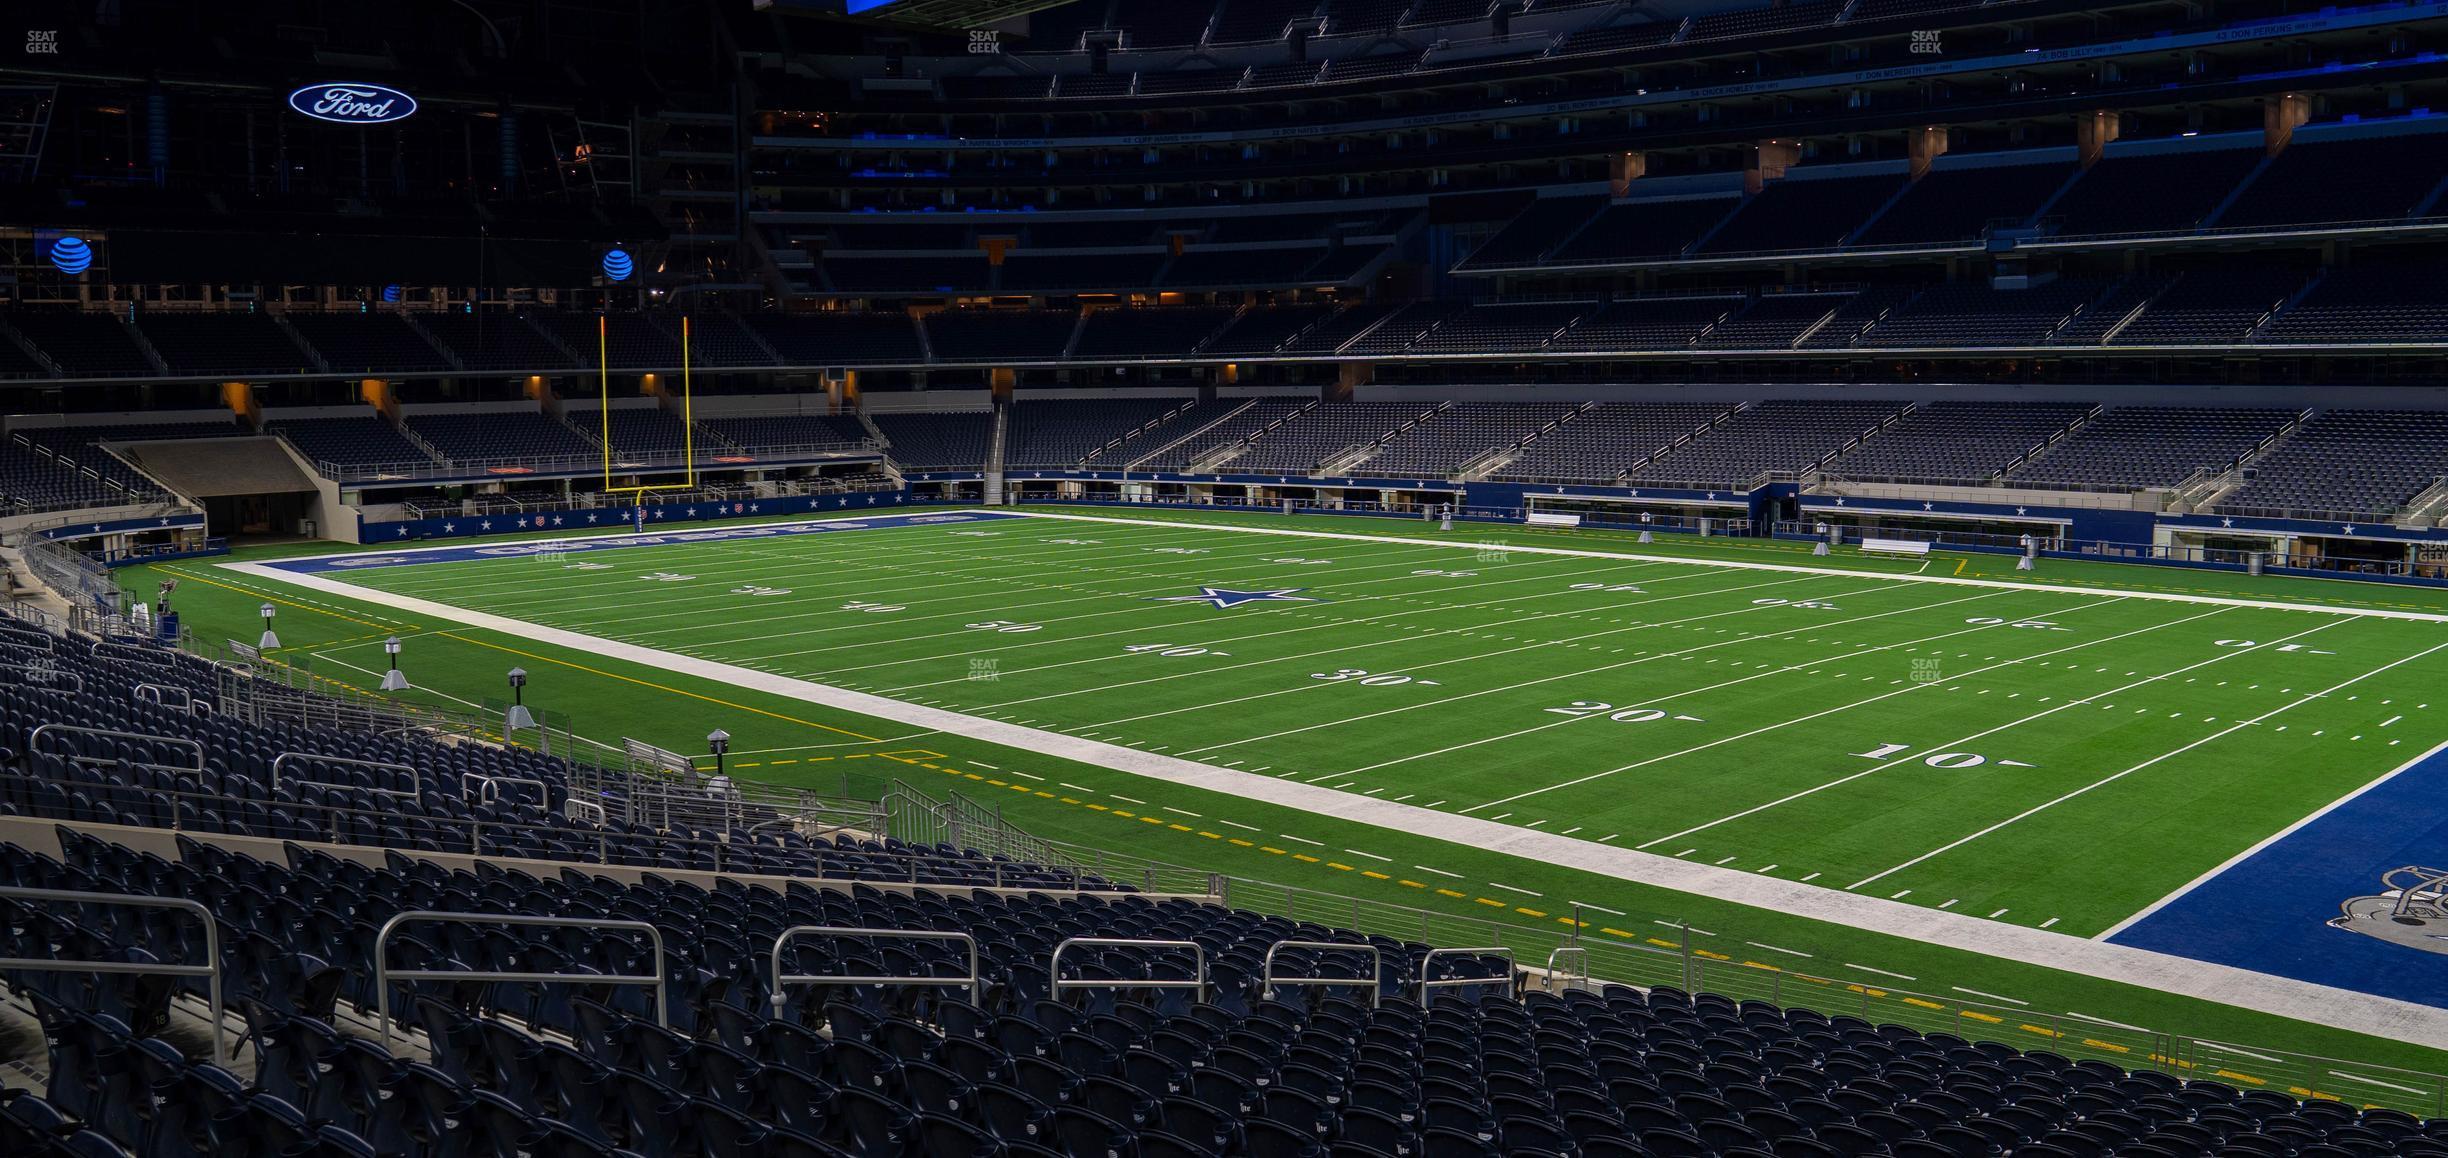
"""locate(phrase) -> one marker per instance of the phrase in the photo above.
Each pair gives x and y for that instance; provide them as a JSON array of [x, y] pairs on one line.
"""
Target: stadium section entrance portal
[[247, 486]]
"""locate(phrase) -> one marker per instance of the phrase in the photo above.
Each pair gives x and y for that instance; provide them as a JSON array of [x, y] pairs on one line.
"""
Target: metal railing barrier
[[1197, 985], [134, 653], [285, 757], [211, 973], [384, 975], [488, 788], [1268, 977], [161, 693], [1568, 965], [974, 982], [34, 741], [1426, 982]]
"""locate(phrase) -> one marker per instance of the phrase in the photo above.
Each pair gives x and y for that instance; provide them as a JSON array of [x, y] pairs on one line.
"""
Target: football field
[[2052, 758]]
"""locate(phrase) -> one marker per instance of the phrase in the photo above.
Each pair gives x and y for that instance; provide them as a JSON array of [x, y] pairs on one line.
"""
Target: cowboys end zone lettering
[[329, 563], [348, 102]]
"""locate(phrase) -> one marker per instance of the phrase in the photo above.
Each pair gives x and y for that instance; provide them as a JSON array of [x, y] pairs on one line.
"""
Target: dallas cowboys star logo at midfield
[[1222, 598]]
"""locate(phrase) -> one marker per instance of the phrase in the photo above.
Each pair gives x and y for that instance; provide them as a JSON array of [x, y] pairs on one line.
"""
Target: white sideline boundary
[[1746, 565], [2261, 992]]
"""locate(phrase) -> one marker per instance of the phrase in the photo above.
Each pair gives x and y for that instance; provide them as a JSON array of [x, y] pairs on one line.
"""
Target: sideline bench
[[1550, 519], [1895, 546]]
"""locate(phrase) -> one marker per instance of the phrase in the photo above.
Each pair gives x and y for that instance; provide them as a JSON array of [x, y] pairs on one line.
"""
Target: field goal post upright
[[688, 417]]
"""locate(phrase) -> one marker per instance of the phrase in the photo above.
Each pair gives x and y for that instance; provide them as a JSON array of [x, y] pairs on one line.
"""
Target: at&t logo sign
[[353, 103]]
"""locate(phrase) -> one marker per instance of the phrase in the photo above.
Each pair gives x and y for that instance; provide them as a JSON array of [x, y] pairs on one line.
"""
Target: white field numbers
[[872, 608], [1595, 709], [1369, 679], [2026, 624], [2303, 649], [1950, 761], [1172, 651], [1004, 625]]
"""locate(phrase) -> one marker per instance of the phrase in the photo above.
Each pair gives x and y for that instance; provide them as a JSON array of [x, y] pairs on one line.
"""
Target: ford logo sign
[[353, 103]]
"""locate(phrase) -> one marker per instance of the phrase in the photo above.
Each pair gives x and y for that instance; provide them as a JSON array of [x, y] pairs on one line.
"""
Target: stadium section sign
[[353, 103]]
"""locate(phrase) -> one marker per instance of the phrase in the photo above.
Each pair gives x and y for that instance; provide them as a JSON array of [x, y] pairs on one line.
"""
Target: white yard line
[[2112, 778], [777, 563], [1950, 745], [1676, 695], [1323, 625], [1194, 627], [1137, 605], [1342, 649], [1989, 996], [1747, 609], [327, 657], [1822, 713], [777, 553], [964, 581]]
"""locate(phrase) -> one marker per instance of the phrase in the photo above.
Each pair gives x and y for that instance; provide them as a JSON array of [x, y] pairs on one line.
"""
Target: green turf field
[[2046, 757], [2033, 755]]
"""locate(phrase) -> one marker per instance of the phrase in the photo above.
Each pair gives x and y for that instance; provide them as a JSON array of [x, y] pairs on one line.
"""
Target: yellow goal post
[[688, 417]]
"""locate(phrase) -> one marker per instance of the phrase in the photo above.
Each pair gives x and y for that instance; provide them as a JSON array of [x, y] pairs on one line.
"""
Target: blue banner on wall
[[123, 526], [614, 518]]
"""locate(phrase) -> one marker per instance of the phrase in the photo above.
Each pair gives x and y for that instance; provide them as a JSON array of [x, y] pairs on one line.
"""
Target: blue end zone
[[578, 545], [2268, 913]]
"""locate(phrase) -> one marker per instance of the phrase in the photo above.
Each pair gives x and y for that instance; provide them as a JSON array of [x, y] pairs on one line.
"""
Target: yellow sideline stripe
[[271, 598], [660, 687]]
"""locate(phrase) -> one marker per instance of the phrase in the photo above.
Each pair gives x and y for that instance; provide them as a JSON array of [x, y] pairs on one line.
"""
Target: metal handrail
[[906, 865], [1578, 956], [974, 982], [1267, 977], [212, 950], [134, 653], [384, 975], [157, 690], [35, 737], [1197, 985], [1512, 969], [489, 791], [277, 761]]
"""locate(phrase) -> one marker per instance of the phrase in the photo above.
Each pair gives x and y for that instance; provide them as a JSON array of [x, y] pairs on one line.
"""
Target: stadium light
[[392, 680], [519, 716], [269, 640], [718, 742]]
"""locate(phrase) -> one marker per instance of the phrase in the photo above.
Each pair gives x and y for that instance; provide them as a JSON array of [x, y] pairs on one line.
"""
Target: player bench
[[1551, 519], [1895, 547]]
